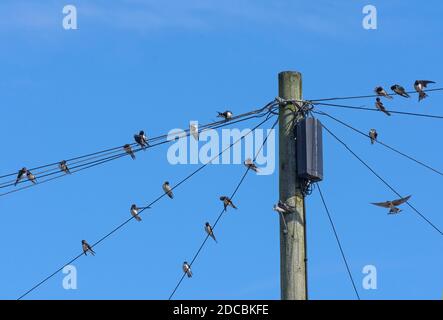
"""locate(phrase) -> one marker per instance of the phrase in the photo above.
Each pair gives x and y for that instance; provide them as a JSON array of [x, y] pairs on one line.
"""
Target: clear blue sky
[[140, 64]]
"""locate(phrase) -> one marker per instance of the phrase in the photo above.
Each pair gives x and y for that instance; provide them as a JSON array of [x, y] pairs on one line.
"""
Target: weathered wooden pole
[[292, 245]]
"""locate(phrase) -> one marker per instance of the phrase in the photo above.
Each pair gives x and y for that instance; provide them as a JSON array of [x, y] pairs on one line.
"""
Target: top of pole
[[287, 80]]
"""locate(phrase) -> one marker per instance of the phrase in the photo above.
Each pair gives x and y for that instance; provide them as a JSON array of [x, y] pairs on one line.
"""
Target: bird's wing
[[381, 204], [400, 201]]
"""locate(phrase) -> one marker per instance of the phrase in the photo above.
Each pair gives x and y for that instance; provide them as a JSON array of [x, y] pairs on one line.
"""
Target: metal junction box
[[309, 150]]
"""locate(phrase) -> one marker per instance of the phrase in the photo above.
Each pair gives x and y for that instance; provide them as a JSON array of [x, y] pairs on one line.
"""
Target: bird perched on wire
[[209, 231], [64, 167], [392, 205], [380, 106], [227, 202], [87, 248], [251, 165], [398, 89], [31, 177], [193, 129], [134, 212], [227, 115], [129, 151], [420, 86], [373, 135], [21, 174], [382, 92], [187, 269], [141, 139], [167, 189]]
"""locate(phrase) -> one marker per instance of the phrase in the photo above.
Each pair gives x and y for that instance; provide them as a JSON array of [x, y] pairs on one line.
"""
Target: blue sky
[[138, 64]]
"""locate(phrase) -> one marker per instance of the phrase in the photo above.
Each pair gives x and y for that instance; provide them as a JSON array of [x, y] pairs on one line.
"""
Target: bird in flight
[[129, 151], [227, 202], [167, 189], [141, 139], [382, 92], [398, 89], [251, 165], [21, 174], [86, 247], [64, 167], [187, 269], [134, 212], [209, 231], [392, 205], [227, 115], [373, 135], [379, 105], [420, 86]]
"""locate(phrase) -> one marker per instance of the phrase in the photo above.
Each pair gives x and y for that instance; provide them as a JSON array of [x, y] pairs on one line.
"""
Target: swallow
[[187, 269], [167, 189], [227, 202], [282, 208], [129, 151], [392, 205], [398, 89], [86, 247], [31, 177], [193, 129], [141, 139], [21, 174], [251, 165], [379, 105], [227, 115], [419, 86], [134, 212], [382, 92], [373, 135], [64, 167], [209, 231]]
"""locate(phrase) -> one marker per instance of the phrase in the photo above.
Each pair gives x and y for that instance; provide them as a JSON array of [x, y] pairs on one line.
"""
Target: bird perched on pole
[[227, 115], [129, 151], [87, 248], [420, 86], [382, 92], [282, 208], [209, 231], [167, 189], [392, 205], [251, 165], [373, 135], [187, 269], [398, 89], [141, 139], [380, 106], [227, 202], [64, 167], [21, 174], [134, 212]]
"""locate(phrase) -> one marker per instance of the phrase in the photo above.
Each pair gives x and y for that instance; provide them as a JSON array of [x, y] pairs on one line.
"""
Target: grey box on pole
[[310, 150]]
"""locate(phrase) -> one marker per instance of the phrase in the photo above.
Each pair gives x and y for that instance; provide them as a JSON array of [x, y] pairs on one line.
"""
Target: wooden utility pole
[[292, 245]]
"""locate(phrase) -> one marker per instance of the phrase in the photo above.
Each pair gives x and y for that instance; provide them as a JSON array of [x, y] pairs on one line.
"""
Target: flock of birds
[[419, 86], [143, 142], [281, 207]]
